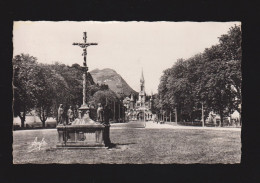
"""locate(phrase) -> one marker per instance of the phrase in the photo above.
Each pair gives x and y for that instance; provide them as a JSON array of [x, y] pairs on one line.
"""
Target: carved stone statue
[[84, 120], [100, 113], [76, 113], [60, 114], [79, 114], [70, 114]]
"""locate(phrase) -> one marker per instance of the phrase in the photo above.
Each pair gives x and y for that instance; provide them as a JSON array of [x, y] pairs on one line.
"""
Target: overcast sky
[[126, 47]]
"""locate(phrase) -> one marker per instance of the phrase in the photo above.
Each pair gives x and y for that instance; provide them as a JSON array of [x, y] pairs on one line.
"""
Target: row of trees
[[212, 78], [44, 86]]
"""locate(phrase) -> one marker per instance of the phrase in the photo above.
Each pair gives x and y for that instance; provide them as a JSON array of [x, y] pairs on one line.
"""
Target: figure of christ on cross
[[84, 45]]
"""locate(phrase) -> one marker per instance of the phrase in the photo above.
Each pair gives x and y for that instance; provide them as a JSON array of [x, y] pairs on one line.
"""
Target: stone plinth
[[87, 135]]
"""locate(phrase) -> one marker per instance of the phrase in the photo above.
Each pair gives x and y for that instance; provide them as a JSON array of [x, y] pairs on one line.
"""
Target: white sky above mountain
[[126, 47]]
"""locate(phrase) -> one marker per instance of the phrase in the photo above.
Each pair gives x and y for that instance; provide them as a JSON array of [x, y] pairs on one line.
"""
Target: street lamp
[[144, 117], [202, 115]]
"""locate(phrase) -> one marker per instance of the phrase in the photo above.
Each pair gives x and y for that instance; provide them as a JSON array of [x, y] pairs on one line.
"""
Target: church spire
[[142, 77]]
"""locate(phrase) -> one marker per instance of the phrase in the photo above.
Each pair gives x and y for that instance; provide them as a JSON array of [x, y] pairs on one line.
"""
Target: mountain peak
[[114, 80], [107, 70]]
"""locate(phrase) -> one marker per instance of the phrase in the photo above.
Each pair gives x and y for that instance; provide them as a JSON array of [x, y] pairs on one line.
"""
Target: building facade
[[140, 109]]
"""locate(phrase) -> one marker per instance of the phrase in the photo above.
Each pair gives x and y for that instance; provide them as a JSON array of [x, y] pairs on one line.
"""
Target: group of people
[[103, 114], [64, 118]]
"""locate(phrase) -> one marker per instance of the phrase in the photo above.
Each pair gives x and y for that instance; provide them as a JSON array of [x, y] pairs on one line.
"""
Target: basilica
[[141, 108]]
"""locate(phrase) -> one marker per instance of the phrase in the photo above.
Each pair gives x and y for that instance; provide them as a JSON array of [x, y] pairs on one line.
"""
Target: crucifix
[[84, 45]]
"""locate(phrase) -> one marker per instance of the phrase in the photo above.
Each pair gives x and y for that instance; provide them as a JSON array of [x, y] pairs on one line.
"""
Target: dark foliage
[[212, 78]]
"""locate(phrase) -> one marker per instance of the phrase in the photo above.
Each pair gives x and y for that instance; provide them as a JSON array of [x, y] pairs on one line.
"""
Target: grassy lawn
[[136, 146]]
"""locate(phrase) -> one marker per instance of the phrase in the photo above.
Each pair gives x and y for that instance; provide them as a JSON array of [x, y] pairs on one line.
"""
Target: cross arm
[[84, 45]]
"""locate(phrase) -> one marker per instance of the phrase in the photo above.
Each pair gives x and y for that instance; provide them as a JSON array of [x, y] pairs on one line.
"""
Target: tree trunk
[[230, 122], [181, 117], [202, 115], [240, 119], [43, 119], [221, 118], [22, 121], [114, 117], [176, 117], [43, 124]]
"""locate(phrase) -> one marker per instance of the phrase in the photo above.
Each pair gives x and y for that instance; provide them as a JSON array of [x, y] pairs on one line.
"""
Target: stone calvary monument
[[83, 131]]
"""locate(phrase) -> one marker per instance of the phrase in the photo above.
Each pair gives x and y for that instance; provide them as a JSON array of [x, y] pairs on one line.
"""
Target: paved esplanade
[[154, 125], [150, 125]]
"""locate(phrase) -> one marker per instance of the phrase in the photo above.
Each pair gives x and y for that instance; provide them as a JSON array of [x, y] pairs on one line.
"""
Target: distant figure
[[107, 113], [70, 114], [99, 113], [60, 114], [214, 120], [156, 119]]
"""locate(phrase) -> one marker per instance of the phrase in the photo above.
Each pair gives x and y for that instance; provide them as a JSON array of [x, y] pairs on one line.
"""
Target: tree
[[45, 86], [212, 78], [222, 73], [217, 90], [57, 76], [231, 48], [104, 97], [44, 92], [176, 89], [25, 70], [164, 100]]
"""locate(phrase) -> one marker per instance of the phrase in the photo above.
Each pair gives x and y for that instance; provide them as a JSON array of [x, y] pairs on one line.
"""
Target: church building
[[137, 110]]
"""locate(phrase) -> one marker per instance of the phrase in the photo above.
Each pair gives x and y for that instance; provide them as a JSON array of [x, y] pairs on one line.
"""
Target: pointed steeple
[[142, 77]]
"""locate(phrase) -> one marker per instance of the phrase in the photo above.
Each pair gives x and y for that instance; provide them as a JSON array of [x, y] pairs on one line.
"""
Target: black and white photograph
[[137, 92]]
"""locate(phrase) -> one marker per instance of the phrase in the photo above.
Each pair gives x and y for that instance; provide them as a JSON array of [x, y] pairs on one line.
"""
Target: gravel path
[[153, 125]]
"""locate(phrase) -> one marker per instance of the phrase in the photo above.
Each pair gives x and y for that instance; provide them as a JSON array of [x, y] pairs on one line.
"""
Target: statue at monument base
[[100, 113]]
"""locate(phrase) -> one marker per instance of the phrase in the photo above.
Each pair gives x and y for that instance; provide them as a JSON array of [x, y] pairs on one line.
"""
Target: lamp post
[[144, 117], [114, 111], [175, 114], [202, 115], [119, 111]]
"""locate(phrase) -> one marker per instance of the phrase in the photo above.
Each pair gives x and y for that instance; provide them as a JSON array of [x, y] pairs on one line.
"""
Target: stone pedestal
[[83, 110], [87, 135], [84, 132]]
